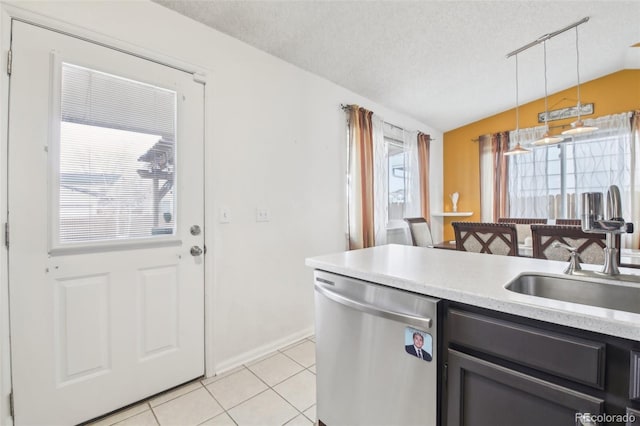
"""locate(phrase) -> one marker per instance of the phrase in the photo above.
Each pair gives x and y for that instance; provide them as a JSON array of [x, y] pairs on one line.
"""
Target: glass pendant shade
[[547, 139], [579, 128], [517, 150]]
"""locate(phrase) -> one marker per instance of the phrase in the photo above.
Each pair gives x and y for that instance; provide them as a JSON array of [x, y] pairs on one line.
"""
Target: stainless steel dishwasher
[[376, 354]]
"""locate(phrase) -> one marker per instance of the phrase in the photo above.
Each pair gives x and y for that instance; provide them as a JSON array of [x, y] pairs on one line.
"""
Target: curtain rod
[[557, 126], [346, 108], [547, 37]]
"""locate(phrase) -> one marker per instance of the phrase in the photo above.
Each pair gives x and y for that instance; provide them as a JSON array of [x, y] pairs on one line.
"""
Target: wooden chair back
[[569, 222], [491, 238], [521, 220], [590, 246]]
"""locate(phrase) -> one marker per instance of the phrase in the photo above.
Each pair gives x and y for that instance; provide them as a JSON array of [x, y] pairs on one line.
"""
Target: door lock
[[195, 230], [196, 251]]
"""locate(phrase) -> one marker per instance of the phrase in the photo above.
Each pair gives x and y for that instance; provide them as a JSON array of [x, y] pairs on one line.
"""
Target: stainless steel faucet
[[574, 258], [593, 221]]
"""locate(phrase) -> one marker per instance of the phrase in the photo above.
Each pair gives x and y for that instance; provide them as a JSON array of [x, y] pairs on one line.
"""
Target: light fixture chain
[[517, 105], [578, 73], [546, 103]]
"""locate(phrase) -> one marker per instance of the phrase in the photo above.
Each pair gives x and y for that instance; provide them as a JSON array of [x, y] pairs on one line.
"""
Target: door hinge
[[6, 234], [445, 373], [11, 412], [9, 61]]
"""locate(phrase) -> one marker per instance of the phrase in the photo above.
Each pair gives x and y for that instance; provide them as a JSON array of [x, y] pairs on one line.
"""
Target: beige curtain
[[500, 145], [635, 178], [423, 167], [360, 185]]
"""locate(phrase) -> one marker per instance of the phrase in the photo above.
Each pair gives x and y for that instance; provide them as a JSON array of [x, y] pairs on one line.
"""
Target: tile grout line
[[281, 381], [154, 414], [297, 362], [221, 406], [122, 410], [147, 402], [276, 392], [174, 398]]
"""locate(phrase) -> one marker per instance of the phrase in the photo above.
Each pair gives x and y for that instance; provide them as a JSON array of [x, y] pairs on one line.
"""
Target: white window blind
[[103, 100], [116, 158]]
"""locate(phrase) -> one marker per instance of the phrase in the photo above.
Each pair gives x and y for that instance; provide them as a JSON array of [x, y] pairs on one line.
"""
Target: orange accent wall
[[611, 94]]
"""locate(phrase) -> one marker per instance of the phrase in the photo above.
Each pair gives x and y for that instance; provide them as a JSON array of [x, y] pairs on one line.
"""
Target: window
[[396, 172], [116, 168], [548, 182]]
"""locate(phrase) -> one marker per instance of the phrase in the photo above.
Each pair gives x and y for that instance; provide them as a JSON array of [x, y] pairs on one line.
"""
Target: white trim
[[210, 282], [5, 340], [263, 350], [9, 11], [29, 17]]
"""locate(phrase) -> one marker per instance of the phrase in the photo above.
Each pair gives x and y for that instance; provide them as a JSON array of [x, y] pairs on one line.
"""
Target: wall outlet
[[225, 215], [263, 214]]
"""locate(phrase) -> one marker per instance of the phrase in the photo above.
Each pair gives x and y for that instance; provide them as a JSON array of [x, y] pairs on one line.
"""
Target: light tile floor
[[275, 390]]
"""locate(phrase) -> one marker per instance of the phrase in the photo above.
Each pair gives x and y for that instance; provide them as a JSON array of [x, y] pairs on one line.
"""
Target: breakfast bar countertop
[[476, 279]]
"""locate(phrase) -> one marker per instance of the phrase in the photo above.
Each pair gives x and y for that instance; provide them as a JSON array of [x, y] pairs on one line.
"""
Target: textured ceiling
[[441, 62]]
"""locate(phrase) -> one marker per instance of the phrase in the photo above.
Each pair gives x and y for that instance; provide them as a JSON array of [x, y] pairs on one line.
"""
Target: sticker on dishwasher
[[418, 343]]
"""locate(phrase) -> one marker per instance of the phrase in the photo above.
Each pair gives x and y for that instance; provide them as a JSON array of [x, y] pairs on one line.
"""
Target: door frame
[[8, 13]]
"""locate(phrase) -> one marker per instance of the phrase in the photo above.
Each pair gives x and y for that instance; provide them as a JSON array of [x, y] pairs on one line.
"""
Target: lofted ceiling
[[441, 62]]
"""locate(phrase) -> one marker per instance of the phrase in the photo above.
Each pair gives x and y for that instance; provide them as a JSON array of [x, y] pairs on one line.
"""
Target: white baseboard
[[261, 351]]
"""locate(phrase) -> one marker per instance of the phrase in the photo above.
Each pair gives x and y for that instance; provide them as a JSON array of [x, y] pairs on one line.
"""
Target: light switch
[[225, 215], [263, 214]]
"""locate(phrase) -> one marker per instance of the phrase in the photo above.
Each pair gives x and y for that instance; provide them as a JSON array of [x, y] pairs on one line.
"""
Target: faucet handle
[[558, 244], [574, 257]]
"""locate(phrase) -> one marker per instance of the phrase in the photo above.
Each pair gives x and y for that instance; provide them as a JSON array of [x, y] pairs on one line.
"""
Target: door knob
[[196, 251]]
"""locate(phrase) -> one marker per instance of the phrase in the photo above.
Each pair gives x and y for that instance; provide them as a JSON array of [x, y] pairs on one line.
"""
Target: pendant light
[[578, 127], [546, 138], [518, 149]]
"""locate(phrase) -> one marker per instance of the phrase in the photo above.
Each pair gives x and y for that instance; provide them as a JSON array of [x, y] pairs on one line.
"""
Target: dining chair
[[523, 226], [590, 246], [522, 220], [568, 222], [419, 231], [482, 237]]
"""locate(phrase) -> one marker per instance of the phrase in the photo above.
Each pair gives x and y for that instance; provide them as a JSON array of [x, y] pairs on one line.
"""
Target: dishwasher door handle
[[374, 310]]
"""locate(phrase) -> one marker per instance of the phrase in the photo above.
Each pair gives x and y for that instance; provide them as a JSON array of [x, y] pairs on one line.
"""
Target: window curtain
[[500, 145], [635, 178], [423, 143], [412, 203], [360, 178], [380, 182], [590, 163], [607, 157], [528, 190], [486, 178]]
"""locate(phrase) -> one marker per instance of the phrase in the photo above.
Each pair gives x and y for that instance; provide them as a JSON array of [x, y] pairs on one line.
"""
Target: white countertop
[[476, 279]]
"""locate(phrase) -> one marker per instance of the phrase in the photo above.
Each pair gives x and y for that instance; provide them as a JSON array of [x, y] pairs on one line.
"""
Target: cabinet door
[[481, 393]]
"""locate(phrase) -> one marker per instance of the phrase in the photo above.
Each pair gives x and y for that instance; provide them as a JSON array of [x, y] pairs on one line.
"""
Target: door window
[[115, 174]]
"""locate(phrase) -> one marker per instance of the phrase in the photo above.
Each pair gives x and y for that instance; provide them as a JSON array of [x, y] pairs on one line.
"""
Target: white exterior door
[[106, 277]]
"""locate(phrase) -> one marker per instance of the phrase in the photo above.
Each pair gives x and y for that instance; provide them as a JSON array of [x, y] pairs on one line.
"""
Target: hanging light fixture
[[546, 138], [518, 149], [578, 127]]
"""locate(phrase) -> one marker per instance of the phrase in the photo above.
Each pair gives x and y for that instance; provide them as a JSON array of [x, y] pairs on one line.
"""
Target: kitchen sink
[[604, 293]]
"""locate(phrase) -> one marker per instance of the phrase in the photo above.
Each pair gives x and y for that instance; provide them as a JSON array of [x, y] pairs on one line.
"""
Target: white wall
[[276, 138]]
